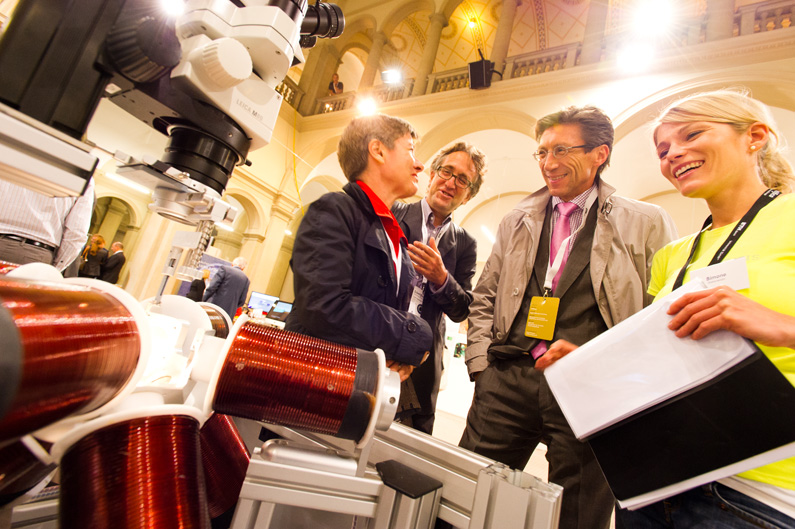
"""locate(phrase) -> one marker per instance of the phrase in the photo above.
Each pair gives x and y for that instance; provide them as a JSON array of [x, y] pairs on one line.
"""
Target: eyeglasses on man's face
[[461, 181], [558, 151]]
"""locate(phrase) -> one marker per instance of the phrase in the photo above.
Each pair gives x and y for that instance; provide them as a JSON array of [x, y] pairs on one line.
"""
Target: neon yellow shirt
[[768, 245]]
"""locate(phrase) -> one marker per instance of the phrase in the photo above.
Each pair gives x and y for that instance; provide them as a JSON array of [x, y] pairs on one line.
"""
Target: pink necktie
[[561, 231], [559, 234]]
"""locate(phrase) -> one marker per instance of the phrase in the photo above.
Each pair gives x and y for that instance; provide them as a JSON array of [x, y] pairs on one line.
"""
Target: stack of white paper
[[637, 364]]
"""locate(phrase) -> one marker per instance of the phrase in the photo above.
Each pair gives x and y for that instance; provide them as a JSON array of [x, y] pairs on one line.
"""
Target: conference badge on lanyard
[[541, 317]]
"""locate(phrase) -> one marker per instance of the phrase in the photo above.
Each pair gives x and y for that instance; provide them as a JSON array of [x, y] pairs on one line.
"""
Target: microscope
[[206, 79], [134, 408]]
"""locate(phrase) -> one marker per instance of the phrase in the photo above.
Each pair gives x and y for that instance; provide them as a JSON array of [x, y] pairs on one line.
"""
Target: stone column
[[129, 242], [281, 217], [373, 61], [251, 249], [747, 19], [502, 38], [149, 257], [111, 221], [594, 31], [720, 19], [130, 239], [281, 267], [320, 65], [438, 22]]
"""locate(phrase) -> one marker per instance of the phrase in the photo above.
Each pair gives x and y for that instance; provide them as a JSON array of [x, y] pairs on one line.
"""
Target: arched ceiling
[[538, 25]]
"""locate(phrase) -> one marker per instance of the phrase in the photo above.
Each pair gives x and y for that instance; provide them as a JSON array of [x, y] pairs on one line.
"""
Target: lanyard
[[766, 198], [552, 269]]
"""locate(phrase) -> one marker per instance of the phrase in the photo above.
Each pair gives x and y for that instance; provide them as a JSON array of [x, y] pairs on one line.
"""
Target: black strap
[[766, 198]]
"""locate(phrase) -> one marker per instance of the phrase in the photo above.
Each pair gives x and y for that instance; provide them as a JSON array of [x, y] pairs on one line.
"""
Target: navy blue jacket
[[112, 267], [345, 284], [228, 289]]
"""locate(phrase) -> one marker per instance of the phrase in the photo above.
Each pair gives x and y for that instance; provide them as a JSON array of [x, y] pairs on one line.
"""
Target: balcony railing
[[380, 94], [765, 16], [753, 18], [335, 103], [538, 62], [290, 92]]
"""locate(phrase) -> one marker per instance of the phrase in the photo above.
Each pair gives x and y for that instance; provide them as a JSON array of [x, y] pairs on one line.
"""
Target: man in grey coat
[[604, 246], [229, 287]]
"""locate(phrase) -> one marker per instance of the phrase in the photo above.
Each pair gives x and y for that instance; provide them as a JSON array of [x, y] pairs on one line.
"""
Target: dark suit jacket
[[112, 267], [459, 254], [196, 290], [94, 263], [346, 289], [228, 289]]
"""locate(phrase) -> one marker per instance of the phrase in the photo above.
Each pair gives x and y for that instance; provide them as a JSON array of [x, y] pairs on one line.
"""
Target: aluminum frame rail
[[476, 492]]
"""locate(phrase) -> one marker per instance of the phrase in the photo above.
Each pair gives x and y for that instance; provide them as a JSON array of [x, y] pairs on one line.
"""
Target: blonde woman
[[723, 147]]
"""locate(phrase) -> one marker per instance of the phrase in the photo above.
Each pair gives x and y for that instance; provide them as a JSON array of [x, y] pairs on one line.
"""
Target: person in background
[[95, 255], [352, 272], [229, 288], [578, 248], [197, 286], [723, 147], [444, 255], [38, 228], [114, 264], [335, 86]]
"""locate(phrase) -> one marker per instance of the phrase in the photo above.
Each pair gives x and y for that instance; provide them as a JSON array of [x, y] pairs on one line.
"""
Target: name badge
[[542, 317], [733, 273], [415, 305]]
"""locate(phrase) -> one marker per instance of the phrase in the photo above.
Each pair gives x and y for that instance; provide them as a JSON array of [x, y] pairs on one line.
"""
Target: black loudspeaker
[[480, 74]]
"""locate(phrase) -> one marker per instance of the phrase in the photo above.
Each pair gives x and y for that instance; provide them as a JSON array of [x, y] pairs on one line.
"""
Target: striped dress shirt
[[61, 222]]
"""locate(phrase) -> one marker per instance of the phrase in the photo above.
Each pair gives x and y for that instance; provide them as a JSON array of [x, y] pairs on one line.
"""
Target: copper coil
[[75, 350], [225, 461], [143, 473], [6, 267], [286, 378], [217, 320], [20, 471]]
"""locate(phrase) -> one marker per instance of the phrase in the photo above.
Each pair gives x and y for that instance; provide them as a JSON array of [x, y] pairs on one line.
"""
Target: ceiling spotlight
[[472, 22], [366, 107], [391, 76], [173, 8]]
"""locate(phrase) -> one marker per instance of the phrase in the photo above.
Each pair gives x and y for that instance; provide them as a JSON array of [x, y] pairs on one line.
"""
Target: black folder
[[743, 412]]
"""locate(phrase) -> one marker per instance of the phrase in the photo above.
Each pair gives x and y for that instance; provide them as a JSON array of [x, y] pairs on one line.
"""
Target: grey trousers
[[21, 253], [512, 411]]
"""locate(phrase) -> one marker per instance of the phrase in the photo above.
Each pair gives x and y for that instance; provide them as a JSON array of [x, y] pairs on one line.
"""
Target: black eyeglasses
[[461, 181], [558, 151]]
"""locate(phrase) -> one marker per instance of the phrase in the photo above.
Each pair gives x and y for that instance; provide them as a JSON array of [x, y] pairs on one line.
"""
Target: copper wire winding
[[286, 378], [143, 473], [79, 346], [217, 320], [225, 461]]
